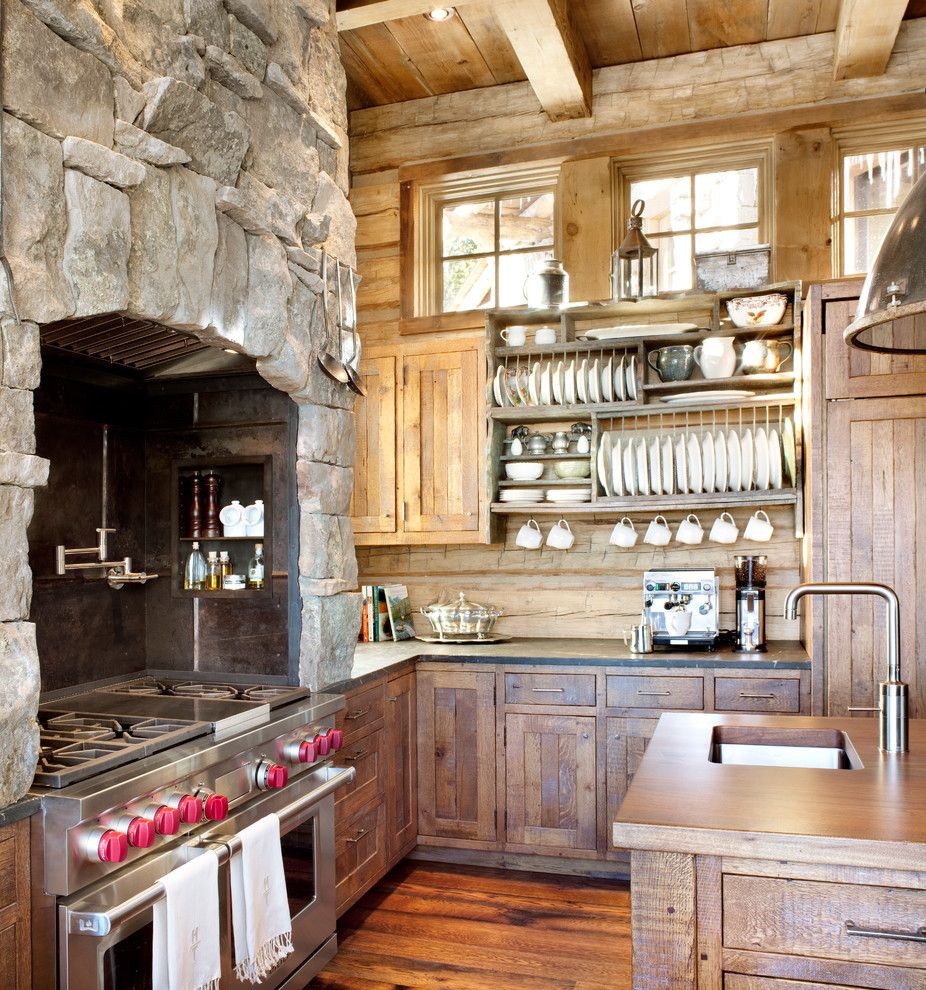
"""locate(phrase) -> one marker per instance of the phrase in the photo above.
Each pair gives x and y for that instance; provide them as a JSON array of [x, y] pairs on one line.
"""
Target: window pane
[[726, 240], [526, 221], [726, 198], [880, 180], [468, 284], [668, 203], [674, 262], [468, 228], [513, 270], [862, 237]]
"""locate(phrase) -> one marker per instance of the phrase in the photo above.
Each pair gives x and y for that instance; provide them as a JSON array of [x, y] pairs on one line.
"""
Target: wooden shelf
[[652, 503], [545, 414], [749, 382], [221, 539], [623, 410], [548, 483], [545, 457]]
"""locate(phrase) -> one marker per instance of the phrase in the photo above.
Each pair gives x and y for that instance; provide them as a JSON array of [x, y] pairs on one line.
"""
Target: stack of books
[[387, 614]]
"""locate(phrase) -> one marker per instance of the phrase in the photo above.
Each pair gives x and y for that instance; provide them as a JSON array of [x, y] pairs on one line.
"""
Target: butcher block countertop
[[873, 816]]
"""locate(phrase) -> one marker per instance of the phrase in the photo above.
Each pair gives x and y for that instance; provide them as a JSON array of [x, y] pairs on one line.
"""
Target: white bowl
[[524, 470], [572, 469], [757, 311]]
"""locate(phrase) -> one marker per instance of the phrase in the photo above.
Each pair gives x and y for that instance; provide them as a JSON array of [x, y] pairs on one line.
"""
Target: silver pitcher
[[547, 288], [640, 639]]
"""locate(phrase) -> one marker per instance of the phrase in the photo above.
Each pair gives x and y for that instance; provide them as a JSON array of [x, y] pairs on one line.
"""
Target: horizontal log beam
[[865, 36]]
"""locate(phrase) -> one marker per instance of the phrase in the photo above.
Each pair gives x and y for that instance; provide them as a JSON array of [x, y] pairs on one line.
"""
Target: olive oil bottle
[[256, 569], [194, 574]]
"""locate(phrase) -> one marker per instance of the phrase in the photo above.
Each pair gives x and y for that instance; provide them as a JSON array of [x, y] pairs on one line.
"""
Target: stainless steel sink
[[819, 749]]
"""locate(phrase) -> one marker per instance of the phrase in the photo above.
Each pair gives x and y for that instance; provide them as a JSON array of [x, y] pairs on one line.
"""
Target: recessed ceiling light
[[440, 14]]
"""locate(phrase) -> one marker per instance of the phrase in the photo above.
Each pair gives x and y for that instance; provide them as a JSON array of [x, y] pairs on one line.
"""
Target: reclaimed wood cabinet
[[15, 908], [627, 739], [373, 508], [402, 759]]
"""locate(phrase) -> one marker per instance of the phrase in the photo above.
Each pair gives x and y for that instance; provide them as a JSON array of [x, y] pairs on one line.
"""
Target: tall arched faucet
[[892, 692]]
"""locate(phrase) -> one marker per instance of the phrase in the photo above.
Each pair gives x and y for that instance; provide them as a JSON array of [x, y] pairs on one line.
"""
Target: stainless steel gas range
[[139, 776]]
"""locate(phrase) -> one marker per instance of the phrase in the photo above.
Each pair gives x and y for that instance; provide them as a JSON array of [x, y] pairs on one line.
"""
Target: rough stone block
[[228, 307], [285, 369], [261, 210], [20, 676], [23, 470], [139, 144], [208, 19], [292, 50], [331, 202], [229, 72], [257, 15], [324, 488], [154, 283], [51, 84], [247, 48], [307, 278], [315, 230], [325, 435], [16, 506], [282, 153], [330, 626], [35, 222], [17, 421], [154, 33], [96, 250], [316, 12], [269, 288], [101, 163], [22, 356], [282, 85], [215, 140], [310, 261], [192, 200], [129, 102]]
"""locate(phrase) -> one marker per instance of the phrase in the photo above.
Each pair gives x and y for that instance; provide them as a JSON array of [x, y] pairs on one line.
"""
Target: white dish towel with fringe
[[262, 924], [186, 954]]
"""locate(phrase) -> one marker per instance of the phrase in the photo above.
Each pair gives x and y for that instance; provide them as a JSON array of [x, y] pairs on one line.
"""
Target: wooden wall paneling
[[379, 289], [493, 45], [586, 227], [662, 28], [609, 31], [402, 770], [378, 66], [789, 18], [719, 25], [803, 165], [373, 507]]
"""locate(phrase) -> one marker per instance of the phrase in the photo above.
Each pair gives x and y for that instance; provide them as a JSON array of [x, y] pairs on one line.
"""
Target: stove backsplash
[[85, 629]]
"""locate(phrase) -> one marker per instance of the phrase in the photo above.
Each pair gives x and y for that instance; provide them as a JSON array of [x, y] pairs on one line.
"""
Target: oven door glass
[[128, 962]]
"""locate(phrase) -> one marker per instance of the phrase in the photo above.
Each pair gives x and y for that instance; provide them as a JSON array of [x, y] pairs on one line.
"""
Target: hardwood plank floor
[[469, 928]]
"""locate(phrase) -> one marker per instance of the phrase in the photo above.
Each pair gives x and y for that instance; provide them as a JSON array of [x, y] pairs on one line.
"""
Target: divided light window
[[719, 206]]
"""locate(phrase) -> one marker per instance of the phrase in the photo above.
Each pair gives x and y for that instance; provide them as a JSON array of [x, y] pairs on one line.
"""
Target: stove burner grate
[[203, 689]]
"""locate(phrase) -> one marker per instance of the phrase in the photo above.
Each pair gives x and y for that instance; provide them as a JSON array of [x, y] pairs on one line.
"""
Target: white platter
[[774, 459], [707, 461], [681, 466], [636, 330], [721, 478], [604, 462], [734, 461], [710, 395], [617, 469], [748, 449], [668, 467]]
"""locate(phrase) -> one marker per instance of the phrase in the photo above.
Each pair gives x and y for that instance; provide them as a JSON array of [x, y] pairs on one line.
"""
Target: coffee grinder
[[750, 603]]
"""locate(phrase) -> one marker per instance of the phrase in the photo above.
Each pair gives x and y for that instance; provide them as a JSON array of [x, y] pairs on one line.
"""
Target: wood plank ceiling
[[413, 57]]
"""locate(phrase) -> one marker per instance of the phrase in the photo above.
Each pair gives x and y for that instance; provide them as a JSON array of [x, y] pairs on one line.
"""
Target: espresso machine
[[750, 603], [682, 606]]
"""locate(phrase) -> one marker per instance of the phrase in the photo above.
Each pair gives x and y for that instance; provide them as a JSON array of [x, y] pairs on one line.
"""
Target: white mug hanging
[[561, 536], [690, 530], [623, 534], [529, 536], [724, 529], [254, 518], [232, 519], [759, 527], [658, 533]]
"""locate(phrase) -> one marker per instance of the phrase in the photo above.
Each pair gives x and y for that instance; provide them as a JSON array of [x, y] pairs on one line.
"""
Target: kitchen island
[[752, 877]]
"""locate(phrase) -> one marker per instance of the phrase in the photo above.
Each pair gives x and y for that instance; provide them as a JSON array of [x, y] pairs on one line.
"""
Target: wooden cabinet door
[[442, 430], [875, 530], [456, 754], [402, 768], [551, 781], [15, 908], [374, 501], [627, 742]]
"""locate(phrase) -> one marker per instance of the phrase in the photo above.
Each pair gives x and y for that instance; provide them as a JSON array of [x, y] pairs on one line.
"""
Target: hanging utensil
[[353, 376], [332, 366]]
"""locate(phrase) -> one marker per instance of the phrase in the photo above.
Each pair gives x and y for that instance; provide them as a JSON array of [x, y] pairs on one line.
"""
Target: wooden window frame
[[692, 162], [496, 185], [895, 135]]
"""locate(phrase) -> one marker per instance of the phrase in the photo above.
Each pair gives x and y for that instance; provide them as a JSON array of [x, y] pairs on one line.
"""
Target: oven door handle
[[101, 923]]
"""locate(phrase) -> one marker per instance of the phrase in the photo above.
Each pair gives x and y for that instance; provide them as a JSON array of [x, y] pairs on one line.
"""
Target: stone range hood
[[181, 162]]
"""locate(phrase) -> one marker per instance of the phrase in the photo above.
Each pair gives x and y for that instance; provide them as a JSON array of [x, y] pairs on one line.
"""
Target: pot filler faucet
[[892, 692]]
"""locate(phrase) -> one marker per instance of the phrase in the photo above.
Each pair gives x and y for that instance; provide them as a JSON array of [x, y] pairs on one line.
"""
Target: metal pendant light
[[896, 285]]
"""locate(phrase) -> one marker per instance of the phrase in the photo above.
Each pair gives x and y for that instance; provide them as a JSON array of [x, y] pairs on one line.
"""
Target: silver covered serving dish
[[461, 618]]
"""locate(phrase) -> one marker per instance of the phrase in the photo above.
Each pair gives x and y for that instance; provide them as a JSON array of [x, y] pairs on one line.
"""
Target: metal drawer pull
[[353, 839], [359, 755], [654, 694], [918, 936], [549, 690], [758, 697], [351, 716]]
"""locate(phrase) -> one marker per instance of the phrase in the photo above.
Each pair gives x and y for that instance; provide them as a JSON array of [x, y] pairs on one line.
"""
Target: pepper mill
[[194, 529], [211, 527]]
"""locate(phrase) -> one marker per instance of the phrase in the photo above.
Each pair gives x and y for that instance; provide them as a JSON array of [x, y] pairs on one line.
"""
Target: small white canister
[[232, 519], [254, 518]]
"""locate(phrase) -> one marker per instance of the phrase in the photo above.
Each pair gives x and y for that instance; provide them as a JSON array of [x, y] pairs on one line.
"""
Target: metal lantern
[[635, 264]]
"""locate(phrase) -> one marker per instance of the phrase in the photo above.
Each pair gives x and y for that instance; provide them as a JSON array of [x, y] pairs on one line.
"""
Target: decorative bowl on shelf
[[757, 311], [524, 470], [572, 469]]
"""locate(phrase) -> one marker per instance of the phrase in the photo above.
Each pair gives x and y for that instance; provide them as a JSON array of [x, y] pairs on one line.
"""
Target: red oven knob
[[308, 752], [166, 820], [322, 745], [271, 776], [113, 847], [140, 833], [189, 807], [335, 739], [216, 807]]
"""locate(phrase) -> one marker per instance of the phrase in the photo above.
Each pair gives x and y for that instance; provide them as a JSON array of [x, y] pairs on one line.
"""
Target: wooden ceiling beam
[[354, 14], [865, 36], [552, 54]]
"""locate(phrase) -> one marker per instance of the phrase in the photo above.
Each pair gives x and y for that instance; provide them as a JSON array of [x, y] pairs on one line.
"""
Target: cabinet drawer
[[367, 756], [550, 689], [637, 691], [360, 853], [810, 918], [364, 709], [757, 694]]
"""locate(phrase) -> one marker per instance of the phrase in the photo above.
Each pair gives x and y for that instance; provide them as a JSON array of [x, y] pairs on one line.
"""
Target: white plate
[[707, 461], [642, 469], [721, 478], [681, 466], [617, 469], [594, 381], [533, 385], [607, 380], [582, 381], [558, 380], [748, 447], [695, 476], [546, 384], [604, 462], [620, 382], [790, 455], [710, 395], [497, 386], [655, 467], [569, 495], [636, 330], [734, 461], [520, 376], [631, 374], [630, 470], [569, 384], [774, 459], [668, 467], [762, 465]]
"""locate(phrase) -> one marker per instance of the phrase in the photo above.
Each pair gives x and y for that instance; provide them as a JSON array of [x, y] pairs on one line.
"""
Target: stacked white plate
[[606, 377], [569, 495], [521, 495]]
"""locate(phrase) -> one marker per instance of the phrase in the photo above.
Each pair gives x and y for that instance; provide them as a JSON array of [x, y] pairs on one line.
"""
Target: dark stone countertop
[[371, 660], [24, 808]]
